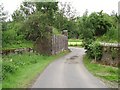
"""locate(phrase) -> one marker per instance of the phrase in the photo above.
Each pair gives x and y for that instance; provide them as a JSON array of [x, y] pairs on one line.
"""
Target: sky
[[80, 5]]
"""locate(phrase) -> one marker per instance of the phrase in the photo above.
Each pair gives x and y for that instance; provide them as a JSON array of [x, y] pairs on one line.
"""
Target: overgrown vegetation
[[105, 72], [94, 51], [111, 36], [97, 27], [17, 68], [31, 21]]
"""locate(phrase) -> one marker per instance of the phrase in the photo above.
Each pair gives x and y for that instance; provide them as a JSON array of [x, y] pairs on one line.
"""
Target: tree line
[[31, 18]]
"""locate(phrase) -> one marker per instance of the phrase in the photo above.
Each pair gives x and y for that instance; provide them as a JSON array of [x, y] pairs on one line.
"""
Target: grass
[[27, 44], [29, 66], [108, 73], [74, 42]]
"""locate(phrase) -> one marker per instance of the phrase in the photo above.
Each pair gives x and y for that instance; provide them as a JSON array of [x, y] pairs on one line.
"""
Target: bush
[[8, 37], [94, 51], [110, 36], [7, 67], [14, 62], [87, 42], [12, 34]]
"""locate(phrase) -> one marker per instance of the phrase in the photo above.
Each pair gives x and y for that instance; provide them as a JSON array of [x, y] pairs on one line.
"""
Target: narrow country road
[[68, 72]]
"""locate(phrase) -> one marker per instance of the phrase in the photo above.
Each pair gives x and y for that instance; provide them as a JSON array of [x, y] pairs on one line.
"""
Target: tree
[[68, 10], [26, 9], [34, 26], [3, 18], [65, 19], [60, 21], [3, 13], [100, 23], [17, 16], [35, 17], [48, 8], [86, 32]]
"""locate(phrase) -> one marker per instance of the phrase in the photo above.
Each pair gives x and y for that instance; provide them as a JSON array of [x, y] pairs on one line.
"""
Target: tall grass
[[20, 70], [105, 72]]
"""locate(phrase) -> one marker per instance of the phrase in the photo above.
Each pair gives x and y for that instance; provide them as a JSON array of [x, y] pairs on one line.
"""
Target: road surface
[[68, 72]]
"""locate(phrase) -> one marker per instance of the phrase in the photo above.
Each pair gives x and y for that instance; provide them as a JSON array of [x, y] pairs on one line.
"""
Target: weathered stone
[[107, 57], [52, 45]]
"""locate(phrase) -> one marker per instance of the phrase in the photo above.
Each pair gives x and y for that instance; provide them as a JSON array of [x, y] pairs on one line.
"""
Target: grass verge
[[108, 74], [27, 67], [74, 40]]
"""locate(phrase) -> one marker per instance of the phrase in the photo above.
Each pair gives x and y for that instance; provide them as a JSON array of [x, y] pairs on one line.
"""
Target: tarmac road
[[68, 72]]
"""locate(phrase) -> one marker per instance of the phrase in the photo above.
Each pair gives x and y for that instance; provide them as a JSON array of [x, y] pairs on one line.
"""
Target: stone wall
[[43, 46], [59, 43], [52, 45], [15, 51], [110, 54]]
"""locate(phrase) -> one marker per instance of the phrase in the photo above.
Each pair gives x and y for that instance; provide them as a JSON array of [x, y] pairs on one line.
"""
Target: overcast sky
[[80, 5]]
